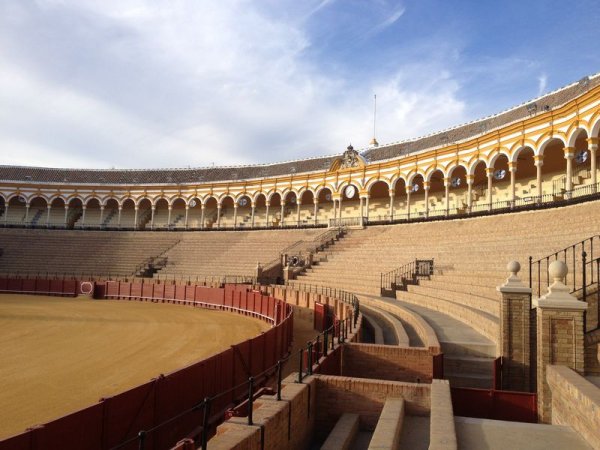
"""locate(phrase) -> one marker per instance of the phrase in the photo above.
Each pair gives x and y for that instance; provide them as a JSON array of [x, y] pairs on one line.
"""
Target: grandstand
[[325, 233]]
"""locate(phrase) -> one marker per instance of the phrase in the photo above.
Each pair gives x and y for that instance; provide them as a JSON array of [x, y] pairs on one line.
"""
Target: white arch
[[574, 135], [542, 147]]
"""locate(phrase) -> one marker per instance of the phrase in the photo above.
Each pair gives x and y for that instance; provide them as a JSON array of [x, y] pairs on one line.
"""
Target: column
[[408, 191], [334, 210], [316, 210], [560, 334], [470, 180], [219, 215], [152, 209], [367, 206], [426, 191], [169, 216], [135, 217], [282, 212], [66, 213], [187, 210], [5, 213], [83, 209], [267, 214], [27, 205], [119, 222], [49, 207], [489, 172], [252, 215], [512, 167], [539, 162], [391, 213], [202, 208], [235, 208], [362, 207], [447, 186], [515, 324], [340, 209], [101, 215], [298, 207], [593, 147], [569, 153]]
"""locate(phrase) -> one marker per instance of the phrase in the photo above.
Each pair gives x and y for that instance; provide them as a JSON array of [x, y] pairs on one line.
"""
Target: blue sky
[[133, 83]]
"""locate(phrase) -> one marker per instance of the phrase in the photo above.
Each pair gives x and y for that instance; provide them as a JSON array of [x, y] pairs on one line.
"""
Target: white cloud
[[542, 84], [145, 84]]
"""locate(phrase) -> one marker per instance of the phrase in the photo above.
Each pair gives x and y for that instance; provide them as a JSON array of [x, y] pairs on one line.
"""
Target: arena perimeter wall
[[115, 420]]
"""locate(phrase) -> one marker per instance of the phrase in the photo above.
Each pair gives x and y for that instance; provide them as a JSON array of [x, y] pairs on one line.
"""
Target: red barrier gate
[[493, 404]]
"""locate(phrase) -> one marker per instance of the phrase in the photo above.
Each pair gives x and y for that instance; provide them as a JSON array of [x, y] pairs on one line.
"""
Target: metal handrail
[[397, 279]]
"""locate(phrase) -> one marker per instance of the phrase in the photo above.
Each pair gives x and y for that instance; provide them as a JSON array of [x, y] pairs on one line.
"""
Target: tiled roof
[[215, 174]]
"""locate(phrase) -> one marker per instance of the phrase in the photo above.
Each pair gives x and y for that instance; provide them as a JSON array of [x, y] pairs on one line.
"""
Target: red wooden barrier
[[493, 404]]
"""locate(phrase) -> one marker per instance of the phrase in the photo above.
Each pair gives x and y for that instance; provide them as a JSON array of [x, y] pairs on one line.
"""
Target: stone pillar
[[515, 323], [362, 207], [152, 209], [334, 210], [569, 154], [187, 211], [447, 187], [560, 334], [340, 209], [489, 172], [408, 191], [219, 215], [135, 217], [101, 215], [298, 212], [27, 205], [426, 190], [49, 208], [67, 213], [593, 148], [316, 209], [6, 213], [169, 217], [235, 208], [470, 180], [267, 213], [539, 162], [512, 168], [83, 208], [202, 208], [367, 206], [391, 213], [252, 215], [282, 213]]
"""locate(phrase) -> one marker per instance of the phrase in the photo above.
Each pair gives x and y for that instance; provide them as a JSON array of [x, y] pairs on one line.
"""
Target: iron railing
[[583, 277], [410, 273]]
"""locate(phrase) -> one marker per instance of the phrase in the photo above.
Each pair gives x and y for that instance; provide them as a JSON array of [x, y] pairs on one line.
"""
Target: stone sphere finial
[[513, 267], [558, 270]]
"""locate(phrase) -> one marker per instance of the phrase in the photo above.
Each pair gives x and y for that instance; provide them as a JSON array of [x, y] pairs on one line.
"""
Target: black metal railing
[[410, 273], [583, 280], [345, 296]]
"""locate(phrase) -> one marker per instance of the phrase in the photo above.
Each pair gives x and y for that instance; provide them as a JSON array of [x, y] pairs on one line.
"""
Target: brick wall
[[387, 362], [575, 402]]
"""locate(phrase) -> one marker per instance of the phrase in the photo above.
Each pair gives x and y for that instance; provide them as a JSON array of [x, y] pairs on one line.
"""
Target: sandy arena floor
[[58, 355]]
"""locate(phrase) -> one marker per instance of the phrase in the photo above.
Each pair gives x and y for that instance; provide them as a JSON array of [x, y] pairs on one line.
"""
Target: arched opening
[[554, 170], [324, 206], [210, 212], [127, 215], [274, 211], [379, 202], [260, 210], [244, 212], [177, 213], [226, 219], [16, 213], [144, 215], [74, 212], [290, 207], [90, 218], [307, 208], [400, 199], [161, 214], [525, 176], [582, 161], [416, 205], [458, 190], [56, 217], [195, 214], [479, 190], [436, 198], [350, 201], [501, 187], [110, 216], [38, 212]]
